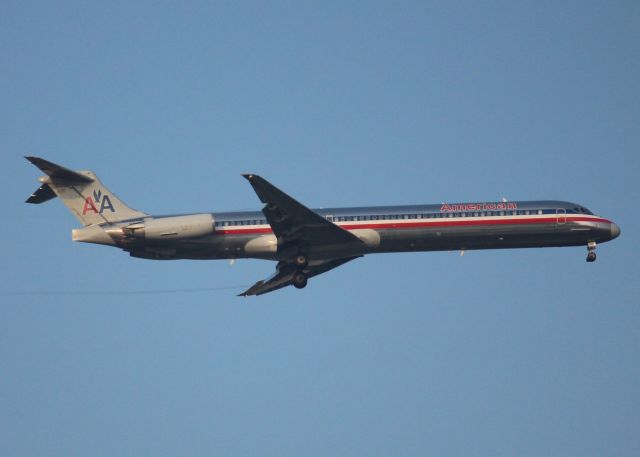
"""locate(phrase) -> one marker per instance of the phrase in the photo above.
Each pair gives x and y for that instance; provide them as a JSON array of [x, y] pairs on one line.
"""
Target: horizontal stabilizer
[[57, 172], [43, 194], [82, 192]]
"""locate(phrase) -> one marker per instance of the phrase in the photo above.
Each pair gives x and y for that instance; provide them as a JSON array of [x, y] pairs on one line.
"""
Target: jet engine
[[171, 228]]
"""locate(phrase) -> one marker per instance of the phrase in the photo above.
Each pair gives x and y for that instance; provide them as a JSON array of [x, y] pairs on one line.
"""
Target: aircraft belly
[[477, 237]]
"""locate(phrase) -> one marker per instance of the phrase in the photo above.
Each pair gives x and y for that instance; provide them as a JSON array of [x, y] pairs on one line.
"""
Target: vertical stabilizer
[[82, 192]]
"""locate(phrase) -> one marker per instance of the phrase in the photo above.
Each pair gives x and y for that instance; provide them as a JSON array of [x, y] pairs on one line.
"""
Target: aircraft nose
[[615, 230]]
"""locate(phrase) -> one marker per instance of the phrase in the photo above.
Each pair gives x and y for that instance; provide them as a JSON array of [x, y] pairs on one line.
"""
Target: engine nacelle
[[171, 228]]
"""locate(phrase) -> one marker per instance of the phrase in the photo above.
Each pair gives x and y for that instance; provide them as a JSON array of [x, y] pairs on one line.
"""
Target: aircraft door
[[561, 216]]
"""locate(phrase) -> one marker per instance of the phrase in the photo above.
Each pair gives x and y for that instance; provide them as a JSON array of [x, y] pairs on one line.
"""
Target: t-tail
[[82, 192]]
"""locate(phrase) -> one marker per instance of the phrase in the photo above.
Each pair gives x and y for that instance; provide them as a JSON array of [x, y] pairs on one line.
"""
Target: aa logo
[[91, 204]]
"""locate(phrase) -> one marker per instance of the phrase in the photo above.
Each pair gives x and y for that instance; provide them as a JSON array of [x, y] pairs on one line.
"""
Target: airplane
[[308, 242]]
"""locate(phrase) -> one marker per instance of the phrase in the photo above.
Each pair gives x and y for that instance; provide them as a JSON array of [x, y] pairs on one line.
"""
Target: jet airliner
[[307, 242]]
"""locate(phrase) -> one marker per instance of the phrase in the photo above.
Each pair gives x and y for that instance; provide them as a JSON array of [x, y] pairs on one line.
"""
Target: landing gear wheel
[[591, 247], [301, 260], [299, 280]]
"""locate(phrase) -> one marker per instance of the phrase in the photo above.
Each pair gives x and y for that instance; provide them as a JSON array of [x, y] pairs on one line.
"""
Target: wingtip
[[248, 176]]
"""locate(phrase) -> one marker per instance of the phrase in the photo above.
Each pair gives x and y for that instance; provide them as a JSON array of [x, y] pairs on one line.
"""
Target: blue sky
[[524, 352]]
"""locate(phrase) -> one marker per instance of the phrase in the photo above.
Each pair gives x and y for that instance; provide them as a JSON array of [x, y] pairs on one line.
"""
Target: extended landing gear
[[591, 255], [301, 260], [299, 280]]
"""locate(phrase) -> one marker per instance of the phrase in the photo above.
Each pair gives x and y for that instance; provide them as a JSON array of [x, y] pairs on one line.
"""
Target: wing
[[286, 272], [300, 231], [294, 224]]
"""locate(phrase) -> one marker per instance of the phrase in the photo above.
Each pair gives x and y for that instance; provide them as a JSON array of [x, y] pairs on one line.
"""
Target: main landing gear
[[301, 260], [299, 280], [591, 255]]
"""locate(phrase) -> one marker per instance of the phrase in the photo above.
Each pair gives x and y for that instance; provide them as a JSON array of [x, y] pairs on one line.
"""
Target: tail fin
[[82, 192]]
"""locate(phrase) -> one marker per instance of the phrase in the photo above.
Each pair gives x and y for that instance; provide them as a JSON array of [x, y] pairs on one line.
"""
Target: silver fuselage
[[465, 226]]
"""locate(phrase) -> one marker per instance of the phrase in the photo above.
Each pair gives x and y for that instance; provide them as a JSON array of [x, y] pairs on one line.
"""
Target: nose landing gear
[[591, 255]]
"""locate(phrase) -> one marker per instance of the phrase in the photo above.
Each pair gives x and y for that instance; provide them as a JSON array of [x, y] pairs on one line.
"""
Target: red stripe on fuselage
[[442, 222]]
